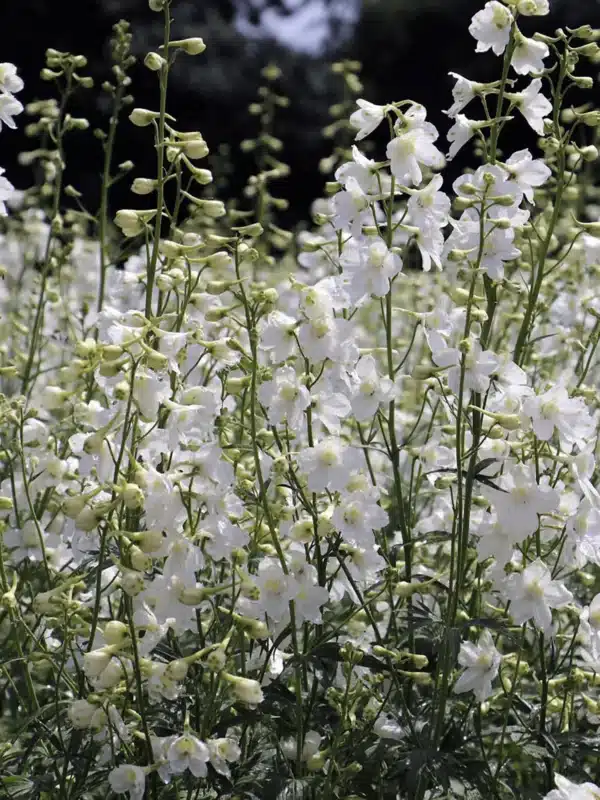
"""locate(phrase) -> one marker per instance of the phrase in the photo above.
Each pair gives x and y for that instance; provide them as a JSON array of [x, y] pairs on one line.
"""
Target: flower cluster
[[335, 526]]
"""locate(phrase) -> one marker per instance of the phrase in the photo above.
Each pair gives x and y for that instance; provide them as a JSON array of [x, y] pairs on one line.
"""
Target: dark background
[[407, 48]]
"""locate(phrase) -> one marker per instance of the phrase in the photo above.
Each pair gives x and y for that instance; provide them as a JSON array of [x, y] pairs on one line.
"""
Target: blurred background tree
[[407, 48]]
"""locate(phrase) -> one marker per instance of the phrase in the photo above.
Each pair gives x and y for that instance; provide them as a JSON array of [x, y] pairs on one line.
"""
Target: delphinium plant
[[326, 533]]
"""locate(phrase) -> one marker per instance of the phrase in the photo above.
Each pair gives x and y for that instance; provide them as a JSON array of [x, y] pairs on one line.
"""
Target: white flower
[[84, 715], [463, 92], [460, 133], [222, 751], [522, 500], [478, 365], [351, 208], [9, 108], [276, 589], [528, 173], [188, 752], [368, 268], [358, 515], [362, 170], [6, 191], [413, 147], [533, 594], [491, 28], [10, 83], [428, 205], [310, 597], [529, 55], [555, 409], [481, 662], [327, 465], [367, 118], [386, 728], [533, 105], [277, 335], [565, 789], [284, 397], [128, 778], [149, 391], [369, 389]]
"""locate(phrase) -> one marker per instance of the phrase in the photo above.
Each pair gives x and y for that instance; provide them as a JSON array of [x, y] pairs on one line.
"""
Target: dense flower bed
[[281, 516]]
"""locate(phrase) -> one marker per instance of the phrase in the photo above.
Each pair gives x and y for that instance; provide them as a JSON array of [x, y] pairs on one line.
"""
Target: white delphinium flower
[[85, 715], [276, 589], [29, 541], [529, 55], [386, 728], [435, 456], [429, 205], [460, 133], [554, 409], [491, 28], [482, 663], [351, 208], [310, 597], [328, 406], [533, 594], [328, 337], [463, 92], [284, 397], [162, 684], [9, 107], [223, 752], [278, 335], [188, 752], [128, 778], [369, 389], [361, 169], [358, 516], [10, 83], [327, 465], [583, 535], [528, 173], [149, 391], [496, 542], [565, 789], [478, 365], [520, 500], [368, 267], [533, 105], [413, 146], [368, 117], [6, 191]]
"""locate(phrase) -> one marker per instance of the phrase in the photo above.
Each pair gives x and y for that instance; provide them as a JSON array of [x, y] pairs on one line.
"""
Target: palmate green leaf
[[16, 786]]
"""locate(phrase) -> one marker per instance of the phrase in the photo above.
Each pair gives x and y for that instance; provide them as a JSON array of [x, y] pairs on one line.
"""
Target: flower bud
[[193, 46], [96, 661], [141, 117], [246, 690], [133, 497], [177, 670], [196, 148], [143, 186], [132, 582], [115, 632], [154, 62], [139, 560], [150, 541], [84, 715]]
